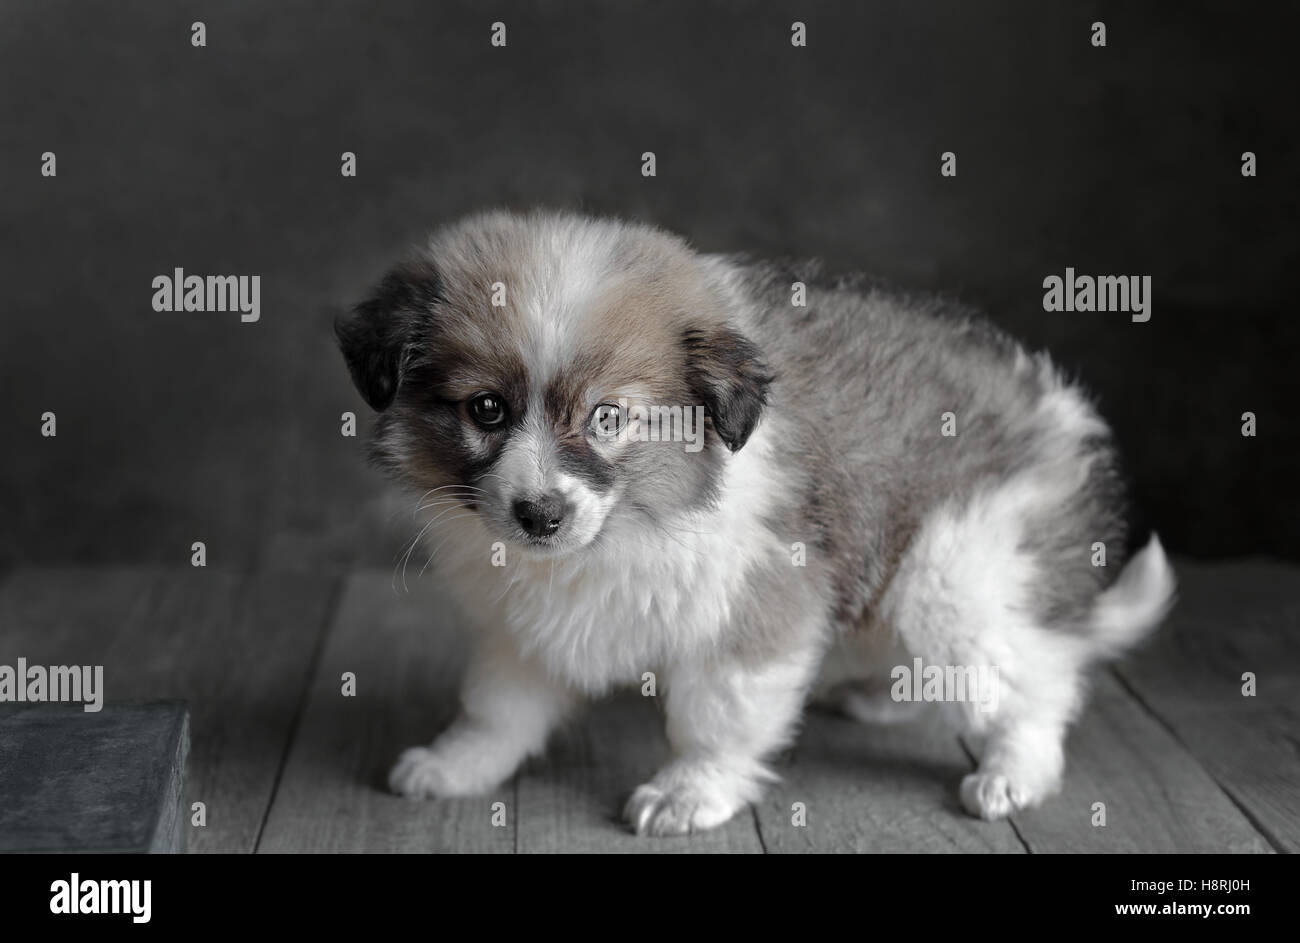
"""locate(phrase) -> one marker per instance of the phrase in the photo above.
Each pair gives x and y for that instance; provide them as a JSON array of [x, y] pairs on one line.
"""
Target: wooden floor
[[284, 762]]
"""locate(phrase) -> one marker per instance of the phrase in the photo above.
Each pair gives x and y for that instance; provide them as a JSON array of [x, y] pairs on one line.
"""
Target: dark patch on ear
[[726, 370], [375, 337]]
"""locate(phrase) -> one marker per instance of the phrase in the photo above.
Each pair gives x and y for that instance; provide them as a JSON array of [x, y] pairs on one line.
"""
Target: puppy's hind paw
[[992, 795], [420, 773]]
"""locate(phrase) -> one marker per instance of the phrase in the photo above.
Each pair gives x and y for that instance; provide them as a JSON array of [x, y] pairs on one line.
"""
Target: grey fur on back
[[864, 374]]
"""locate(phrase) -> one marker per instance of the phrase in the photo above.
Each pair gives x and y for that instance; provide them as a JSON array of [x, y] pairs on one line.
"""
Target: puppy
[[856, 485]]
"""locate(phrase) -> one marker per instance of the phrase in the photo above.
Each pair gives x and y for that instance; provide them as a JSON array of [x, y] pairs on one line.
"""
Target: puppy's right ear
[[728, 373], [376, 336]]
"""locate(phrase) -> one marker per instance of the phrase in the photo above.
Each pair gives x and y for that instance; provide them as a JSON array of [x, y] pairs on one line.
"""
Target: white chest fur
[[640, 597]]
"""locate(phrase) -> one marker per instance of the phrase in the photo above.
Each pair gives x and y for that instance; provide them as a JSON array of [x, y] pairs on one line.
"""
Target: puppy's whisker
[[454, 499], [462, 487], [407, 559], [398, 512], [404, 552], [433, 491], [443, 541], [410, 547], [502, 595], [508, 586], [448, 491]]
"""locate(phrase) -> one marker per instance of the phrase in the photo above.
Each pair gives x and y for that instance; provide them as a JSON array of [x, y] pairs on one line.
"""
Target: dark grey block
[[111, 781]]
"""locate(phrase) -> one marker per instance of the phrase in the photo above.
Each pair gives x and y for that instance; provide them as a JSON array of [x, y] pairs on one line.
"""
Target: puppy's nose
[[541, 516]]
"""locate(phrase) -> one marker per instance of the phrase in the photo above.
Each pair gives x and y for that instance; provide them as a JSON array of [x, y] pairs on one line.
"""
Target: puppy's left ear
[[726, 370], [376, 336]]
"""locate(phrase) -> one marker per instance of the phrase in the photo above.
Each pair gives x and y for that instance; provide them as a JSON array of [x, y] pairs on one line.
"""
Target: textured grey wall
[[174, 427]]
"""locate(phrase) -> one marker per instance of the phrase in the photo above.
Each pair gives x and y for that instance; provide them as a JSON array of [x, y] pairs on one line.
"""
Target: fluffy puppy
[[876, 480]]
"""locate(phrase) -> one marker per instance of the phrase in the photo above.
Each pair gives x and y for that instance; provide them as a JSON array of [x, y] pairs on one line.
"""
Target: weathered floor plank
[[572, 800], [232, 646], [875, 789], [406, 654], [1156, 797], [1231, 619]]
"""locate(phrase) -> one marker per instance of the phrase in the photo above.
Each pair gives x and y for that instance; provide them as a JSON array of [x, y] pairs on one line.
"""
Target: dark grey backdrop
[[179, 427]]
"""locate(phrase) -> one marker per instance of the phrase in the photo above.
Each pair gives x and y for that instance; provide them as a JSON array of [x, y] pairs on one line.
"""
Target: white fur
[[638, 597], [1138, 600], [961, 598], [723, 719]]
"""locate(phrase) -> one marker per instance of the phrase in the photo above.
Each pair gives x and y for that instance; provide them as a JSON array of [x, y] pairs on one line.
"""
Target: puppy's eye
[[606, 421], [487, 409]]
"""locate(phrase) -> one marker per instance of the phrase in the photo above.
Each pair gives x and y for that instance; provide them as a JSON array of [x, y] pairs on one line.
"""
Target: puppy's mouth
[[567, 539], [553, 546]]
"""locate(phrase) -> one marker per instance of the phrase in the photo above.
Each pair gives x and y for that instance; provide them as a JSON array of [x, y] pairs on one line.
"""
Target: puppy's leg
[[1022, 763], [723, 720], [508, 708], [1019, 724], [1023, 756], [961, 600]]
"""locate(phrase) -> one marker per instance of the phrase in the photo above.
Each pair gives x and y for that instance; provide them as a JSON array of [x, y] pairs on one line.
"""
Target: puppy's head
[[547, 373]]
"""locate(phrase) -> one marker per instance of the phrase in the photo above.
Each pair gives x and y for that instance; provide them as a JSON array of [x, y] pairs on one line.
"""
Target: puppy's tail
[[1136, 602]]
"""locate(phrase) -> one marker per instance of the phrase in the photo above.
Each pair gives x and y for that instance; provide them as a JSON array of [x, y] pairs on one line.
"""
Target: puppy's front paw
[[420, 773], [678, 802], [994, 795]]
